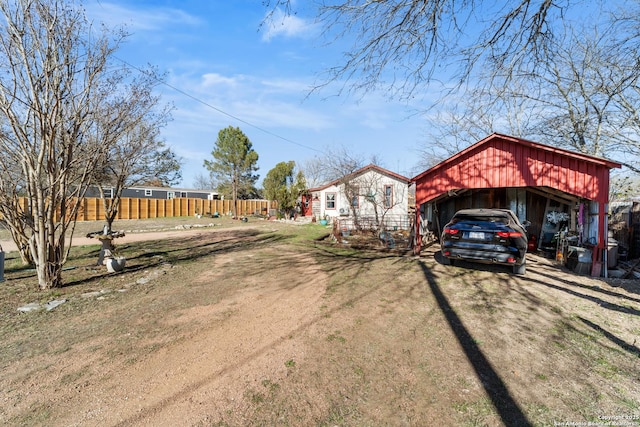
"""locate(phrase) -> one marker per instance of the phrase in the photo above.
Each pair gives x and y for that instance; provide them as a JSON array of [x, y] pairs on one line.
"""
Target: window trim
[[326, 200], [388, 198], [355, 197], [148, 192], [108, 192]]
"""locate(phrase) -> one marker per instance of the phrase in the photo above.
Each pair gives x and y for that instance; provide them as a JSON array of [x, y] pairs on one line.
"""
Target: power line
[[219, 110]]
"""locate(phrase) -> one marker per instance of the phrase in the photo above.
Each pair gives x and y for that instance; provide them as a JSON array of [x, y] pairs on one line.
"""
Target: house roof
[[156, 188], [506, 161], [370, 167]]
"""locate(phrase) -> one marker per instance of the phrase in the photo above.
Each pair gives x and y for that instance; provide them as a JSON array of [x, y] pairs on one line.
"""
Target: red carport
[[521, 166]]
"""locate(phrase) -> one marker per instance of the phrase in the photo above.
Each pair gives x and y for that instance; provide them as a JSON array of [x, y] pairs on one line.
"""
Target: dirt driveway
[[249, 326]]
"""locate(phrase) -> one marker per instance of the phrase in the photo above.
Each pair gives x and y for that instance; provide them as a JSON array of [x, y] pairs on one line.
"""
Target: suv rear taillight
[[451, 230], [507, 234]]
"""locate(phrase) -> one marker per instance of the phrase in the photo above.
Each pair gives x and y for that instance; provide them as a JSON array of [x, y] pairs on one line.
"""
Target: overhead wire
[[219, 110]]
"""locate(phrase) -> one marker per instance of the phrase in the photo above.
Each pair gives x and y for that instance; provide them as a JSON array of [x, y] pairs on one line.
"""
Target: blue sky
[[224, 69]]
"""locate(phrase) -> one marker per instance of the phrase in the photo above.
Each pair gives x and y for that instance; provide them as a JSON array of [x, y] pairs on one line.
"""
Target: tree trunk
[[49, 272], [234, 191], [22, 243], [110, 213]]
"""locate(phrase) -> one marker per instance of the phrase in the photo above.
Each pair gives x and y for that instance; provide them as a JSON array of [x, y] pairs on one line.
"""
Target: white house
[[369, 195]]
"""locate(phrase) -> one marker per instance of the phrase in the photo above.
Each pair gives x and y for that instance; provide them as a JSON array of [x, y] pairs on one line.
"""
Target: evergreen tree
[[234, 163], [284, 185]]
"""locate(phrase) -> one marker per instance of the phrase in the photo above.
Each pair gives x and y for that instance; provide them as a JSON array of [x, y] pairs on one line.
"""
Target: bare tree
[[341, 161], [334, 163], [131, 130], [469, 117], [56, 85], [14, 218], [399, 45], [315, 171], [587, 96], [203, 182], [623, 187], [371, 198], [582, 95], [517, 53], [137, 157]]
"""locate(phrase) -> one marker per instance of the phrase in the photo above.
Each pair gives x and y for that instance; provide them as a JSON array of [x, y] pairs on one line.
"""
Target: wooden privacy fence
[[92, 209], [132, 208]]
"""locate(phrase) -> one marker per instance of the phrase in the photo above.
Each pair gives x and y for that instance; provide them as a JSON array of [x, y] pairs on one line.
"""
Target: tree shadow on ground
[[591, 288], [507, 408], [601, 302], [611, 337], [155, 253]]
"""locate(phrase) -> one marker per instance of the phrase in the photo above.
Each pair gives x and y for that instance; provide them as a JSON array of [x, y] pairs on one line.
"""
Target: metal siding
[[593, 181], [555, 171], [539, 167], [508, 178], [461, 170], [546, 179], [552, 176], [562, 172], [493, 163], [579, 179], [475, 167], [514, 171], [483, 167], [503, 163], [571, 173], [553, 180], [511, 171], [498, 165]]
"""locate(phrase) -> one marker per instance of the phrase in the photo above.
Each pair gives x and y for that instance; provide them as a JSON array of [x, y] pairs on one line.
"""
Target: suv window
[[479, 218]]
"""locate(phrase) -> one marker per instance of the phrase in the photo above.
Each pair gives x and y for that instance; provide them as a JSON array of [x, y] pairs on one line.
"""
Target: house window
[[108, 193], [355, 200], [170, 195], [330, 201], [388, 196], [148, 193]]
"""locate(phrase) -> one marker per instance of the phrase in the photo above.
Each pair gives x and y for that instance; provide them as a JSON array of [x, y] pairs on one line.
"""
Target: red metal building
[[525, 169]]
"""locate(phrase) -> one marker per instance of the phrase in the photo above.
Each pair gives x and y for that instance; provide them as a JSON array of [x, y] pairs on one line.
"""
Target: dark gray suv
[[492, 236]]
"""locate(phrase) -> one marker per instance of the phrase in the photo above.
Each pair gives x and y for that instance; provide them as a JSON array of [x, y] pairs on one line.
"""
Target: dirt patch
[[252, 327], [224, 349]]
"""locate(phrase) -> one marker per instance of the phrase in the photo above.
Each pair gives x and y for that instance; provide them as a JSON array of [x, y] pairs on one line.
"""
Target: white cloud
[[274, 114], [294, 86], [286, 25], [138, 19], [263, 103], [215, 79]]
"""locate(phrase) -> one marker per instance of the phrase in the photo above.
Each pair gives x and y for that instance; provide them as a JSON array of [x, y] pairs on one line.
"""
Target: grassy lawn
[[259, 324]]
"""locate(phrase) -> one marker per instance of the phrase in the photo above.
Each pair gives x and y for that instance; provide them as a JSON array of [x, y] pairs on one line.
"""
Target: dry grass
[[259, 325]]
